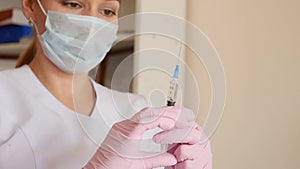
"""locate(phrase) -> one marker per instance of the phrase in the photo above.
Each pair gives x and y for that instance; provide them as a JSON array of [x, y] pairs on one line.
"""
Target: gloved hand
[[120, 149], [185, 144]]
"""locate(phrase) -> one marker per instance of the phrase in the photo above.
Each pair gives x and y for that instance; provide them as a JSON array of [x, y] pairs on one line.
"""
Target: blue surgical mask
[[76, 43]]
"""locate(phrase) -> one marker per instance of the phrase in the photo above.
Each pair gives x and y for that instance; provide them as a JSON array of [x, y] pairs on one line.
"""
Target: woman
[[53, 115]]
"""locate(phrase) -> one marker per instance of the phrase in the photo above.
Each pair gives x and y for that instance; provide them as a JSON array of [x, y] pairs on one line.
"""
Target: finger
[[150, 118], [186, 152], [197, 152], [162, 160], [183, 117], [153, 113], [136, 130], [170, 167], [190, 164], [186, 135], [164, 118], [172, 148], [161, 122], [186, 117]]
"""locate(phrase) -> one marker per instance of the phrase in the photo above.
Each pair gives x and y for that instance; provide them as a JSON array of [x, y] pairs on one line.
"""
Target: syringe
[[173, 88], [172, 93], [172, 96]]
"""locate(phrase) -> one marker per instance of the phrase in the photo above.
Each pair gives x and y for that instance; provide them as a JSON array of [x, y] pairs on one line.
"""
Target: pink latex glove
[[120, 149], [184, 143]]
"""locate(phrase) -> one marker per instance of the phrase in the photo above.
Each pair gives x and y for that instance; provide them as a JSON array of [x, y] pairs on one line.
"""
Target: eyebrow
[[114, 0]]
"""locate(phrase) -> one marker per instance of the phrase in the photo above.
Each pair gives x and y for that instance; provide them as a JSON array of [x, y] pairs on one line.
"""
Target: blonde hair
[[27, 55]]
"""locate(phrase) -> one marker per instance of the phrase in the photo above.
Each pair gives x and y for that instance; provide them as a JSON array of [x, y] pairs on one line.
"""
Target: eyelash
[[110, 12], [76, 5], [72, 4]]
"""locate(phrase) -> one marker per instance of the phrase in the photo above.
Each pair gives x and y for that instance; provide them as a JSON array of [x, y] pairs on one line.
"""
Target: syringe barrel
[[172, 92]]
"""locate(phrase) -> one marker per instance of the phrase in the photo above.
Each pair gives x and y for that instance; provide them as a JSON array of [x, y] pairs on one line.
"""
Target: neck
[[74, 91]]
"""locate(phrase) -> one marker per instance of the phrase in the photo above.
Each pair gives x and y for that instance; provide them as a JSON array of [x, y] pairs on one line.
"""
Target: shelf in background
[[13, 50]]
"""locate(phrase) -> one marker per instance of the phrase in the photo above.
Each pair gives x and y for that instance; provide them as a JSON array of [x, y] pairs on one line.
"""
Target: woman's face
[[104, 9]]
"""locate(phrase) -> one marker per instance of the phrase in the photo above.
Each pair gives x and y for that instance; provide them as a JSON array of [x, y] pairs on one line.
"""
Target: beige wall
[[258, 42], [154, 82]]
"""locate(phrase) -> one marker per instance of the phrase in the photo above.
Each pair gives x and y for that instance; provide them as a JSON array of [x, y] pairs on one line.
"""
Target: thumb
[[161, 160]]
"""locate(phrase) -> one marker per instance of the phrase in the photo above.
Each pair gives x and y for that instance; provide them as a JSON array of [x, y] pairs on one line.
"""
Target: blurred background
[[258, 44]]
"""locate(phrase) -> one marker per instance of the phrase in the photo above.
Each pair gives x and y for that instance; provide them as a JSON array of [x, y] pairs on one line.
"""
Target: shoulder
[[12, 82], [4, 74], [13, 70], [13, 75], [12, 93]]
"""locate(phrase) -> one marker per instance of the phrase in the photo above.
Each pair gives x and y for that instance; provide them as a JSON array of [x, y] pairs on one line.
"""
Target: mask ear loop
[[45, 13], [31, 22], [41, 6]]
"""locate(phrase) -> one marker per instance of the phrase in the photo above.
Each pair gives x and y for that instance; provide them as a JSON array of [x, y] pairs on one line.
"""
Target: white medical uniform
[[38, 132]]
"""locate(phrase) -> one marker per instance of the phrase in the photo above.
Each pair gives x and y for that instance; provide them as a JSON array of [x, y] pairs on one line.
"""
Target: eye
[[72, 4], [108, 12]]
